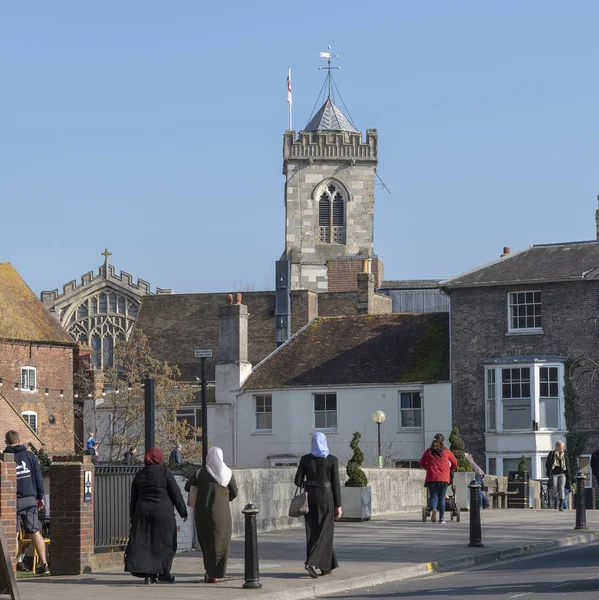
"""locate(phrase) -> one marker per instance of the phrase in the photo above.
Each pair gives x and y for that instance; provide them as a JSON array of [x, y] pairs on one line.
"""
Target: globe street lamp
[[379, 417]]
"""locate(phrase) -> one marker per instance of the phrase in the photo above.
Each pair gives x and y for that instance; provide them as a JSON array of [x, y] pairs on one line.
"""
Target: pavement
[[388, 548]]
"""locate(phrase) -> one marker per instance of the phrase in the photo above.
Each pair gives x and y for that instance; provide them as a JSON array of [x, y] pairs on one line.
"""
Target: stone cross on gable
[[106, 254]]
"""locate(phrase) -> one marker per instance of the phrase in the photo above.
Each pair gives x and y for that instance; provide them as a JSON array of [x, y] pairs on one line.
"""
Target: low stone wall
[[271, 490], [185, 530]]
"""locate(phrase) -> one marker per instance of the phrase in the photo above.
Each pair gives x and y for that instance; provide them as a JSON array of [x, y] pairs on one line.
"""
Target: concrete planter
[[356, 503], [462, 493]]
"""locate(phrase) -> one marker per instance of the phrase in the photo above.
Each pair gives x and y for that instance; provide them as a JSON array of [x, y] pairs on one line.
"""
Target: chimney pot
[[229, 298], [506, 250], [238, 298], [366, 265]]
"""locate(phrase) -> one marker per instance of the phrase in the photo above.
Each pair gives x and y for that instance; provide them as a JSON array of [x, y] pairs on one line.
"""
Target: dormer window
[[331, 214]]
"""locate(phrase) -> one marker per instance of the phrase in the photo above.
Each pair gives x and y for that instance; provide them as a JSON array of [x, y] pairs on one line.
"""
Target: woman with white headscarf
[[318, 472], [216, 487]]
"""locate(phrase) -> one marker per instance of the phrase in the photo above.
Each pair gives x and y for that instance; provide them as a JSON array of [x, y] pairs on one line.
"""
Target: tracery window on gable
[[100, 321], [331, 197]]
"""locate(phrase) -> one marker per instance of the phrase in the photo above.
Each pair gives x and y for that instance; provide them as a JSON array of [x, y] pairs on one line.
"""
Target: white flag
[[289, 99], [325, 55]]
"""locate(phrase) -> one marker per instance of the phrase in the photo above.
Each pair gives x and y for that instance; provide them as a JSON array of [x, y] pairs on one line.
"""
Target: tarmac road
[[563, 574]]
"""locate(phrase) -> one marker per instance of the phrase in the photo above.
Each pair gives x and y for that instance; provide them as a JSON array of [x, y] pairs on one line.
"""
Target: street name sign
[[203, 352]]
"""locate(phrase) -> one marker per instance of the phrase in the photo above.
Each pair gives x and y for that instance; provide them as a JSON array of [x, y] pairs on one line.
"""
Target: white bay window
[[524, 394]]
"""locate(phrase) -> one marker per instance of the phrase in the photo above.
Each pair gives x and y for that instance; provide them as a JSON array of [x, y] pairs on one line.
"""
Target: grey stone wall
[[271, 490], [185, 531], [479, 331]]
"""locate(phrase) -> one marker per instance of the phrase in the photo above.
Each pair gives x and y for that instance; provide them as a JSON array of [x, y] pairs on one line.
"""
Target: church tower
[[329, 197]]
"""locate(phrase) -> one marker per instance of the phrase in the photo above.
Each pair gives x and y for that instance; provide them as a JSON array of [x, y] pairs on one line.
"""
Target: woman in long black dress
[[153, 538], [216, 487], [319, 473]]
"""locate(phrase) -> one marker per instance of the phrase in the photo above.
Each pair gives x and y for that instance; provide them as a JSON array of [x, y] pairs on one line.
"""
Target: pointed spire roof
[[330, 118]]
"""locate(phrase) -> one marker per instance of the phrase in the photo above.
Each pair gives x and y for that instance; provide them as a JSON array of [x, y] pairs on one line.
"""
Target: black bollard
[[251, 573], [476, 536], [581, 515]]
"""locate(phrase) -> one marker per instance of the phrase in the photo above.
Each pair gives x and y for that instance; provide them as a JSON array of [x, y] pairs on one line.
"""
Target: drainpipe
[[235, 429]]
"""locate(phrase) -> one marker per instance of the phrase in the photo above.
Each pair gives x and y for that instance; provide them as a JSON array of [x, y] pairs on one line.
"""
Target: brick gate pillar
[[71, 517], [8, 503]]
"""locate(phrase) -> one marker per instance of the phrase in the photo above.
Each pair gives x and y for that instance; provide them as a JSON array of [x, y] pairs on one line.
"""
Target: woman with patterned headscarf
[[216, 487], [153, 538]]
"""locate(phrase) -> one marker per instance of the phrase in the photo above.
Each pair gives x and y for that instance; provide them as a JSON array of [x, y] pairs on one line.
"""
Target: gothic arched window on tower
[[331, 215], [324, 218]]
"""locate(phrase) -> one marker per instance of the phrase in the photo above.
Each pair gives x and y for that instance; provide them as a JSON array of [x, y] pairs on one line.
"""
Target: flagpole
[[289, 99]]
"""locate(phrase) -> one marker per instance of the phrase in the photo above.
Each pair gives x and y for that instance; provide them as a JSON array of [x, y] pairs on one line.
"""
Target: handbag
[[299, 503], [192, 495]]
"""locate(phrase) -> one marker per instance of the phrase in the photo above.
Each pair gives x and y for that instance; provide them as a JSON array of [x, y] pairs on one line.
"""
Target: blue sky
[[155, 128]]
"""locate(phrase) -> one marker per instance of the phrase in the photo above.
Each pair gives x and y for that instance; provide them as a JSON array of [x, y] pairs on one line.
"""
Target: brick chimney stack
[[233, 366], [365, 289]]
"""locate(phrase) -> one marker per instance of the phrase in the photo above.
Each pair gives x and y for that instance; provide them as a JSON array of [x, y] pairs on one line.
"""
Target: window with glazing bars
[[264, 413], [525, 311], [325, 411], [331, 216]]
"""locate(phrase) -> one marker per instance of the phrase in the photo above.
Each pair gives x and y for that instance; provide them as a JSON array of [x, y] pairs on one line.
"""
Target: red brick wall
[[72, 549], [10, 419], [54, 370], [343, 272], [8, 503]]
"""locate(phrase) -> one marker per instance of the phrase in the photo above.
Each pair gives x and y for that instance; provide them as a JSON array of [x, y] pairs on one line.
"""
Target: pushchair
[[451, 506]]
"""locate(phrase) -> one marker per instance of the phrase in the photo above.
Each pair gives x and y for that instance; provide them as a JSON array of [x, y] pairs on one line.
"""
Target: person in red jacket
[[439, 462]]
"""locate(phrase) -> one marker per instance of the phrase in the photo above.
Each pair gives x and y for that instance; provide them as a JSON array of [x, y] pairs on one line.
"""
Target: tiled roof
[[573, 261], [22, 315], [175, 325], [369, 349], [330, 118]]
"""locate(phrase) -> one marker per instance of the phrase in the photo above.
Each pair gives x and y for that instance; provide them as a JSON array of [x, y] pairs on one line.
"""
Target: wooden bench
[[498, 496]]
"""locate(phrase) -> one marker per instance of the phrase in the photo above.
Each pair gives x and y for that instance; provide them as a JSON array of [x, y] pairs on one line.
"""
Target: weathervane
[[328, 68]]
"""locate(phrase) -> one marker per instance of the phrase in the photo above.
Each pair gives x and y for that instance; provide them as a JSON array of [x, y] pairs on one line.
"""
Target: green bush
[[522, 468], [457, 447], [356, 477], [43, 459]]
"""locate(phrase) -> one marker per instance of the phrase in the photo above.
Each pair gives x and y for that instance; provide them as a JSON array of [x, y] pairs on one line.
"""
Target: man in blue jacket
[[30, 496]]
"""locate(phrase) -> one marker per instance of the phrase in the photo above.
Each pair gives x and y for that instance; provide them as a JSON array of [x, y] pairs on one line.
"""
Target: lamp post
[[379, 417]]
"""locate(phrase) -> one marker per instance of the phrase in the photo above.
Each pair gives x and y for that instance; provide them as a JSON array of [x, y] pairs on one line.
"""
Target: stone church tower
[[329, 200]]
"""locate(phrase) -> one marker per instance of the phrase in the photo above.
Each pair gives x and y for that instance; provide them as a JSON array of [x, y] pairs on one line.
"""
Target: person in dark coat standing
[[439, 463], [129, 456], [556, 469], [216, 487], [318, 472], [176, 456], [153, 537]]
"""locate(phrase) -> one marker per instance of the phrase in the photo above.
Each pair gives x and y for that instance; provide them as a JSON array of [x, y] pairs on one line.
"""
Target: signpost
[[149, 412], [203, 354], [87, 487]]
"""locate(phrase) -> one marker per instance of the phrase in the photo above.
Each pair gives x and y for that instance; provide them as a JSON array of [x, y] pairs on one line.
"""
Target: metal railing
[[111, 504]]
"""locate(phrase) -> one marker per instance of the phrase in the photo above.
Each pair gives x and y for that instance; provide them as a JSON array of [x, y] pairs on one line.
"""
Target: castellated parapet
[[105, 273], [330, 146]]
